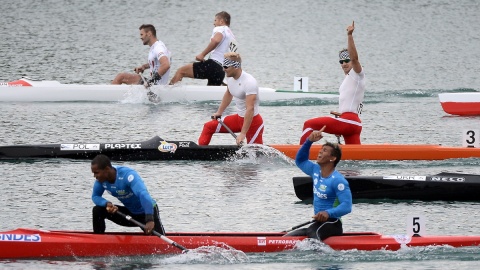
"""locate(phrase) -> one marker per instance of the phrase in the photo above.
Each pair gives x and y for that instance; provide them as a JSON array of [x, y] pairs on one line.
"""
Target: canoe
[[159, 149], [461, 103], [443, 186], [390, 151], [32, 243], [28, 90], [154, 149]]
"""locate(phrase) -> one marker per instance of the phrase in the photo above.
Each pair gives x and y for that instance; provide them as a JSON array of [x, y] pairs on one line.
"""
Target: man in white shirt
[[243, 89], [158, 60], [352, 90], [221, 42]]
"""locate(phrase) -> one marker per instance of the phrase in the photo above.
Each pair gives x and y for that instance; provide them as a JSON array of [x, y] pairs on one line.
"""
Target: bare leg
[[126, 78], [185, 71]]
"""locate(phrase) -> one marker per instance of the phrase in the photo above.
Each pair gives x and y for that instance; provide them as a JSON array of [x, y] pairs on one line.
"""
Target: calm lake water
[[411, 51]]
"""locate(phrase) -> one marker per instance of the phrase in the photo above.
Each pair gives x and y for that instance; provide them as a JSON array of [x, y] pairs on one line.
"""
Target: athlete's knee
[[99, 211], [186, 71], [210, 126], [118, 79], [306, 132]]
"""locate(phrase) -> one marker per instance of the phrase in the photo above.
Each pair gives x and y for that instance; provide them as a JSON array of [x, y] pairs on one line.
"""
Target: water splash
[[135, 96], [260, 154], [223, 254]]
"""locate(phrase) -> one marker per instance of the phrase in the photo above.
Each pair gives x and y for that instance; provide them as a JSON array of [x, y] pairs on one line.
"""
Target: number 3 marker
[[471, 138]]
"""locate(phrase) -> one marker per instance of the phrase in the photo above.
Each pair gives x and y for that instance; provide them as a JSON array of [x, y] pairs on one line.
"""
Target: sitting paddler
[[159, 59], [127, 186], [332, 197], [221, 41], [243, 89]]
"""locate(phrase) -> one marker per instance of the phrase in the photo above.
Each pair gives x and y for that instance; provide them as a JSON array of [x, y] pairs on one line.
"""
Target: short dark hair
[[337, 152], [102, 161], [224, 16], [149, 28]]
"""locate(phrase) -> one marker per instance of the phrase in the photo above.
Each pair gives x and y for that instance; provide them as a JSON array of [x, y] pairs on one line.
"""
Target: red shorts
[[235, 123], [347, 125]]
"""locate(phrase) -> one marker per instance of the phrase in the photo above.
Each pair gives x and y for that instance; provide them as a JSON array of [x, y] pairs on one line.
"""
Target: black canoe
[[153, 149], [443, 186]]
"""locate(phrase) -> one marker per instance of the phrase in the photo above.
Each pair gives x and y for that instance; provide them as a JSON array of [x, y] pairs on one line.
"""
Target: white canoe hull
[[460, 103], [53, 91]]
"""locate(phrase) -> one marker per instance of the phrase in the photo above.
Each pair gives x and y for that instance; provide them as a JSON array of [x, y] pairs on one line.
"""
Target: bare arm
[[214, 41], [164, 65], [141, 68], [226, 100], [352, 50], [247, 120]]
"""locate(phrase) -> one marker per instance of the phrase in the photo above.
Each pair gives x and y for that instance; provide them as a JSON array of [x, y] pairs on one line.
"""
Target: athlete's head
[[344, 60], [148, 28], [100, 167], [335, 152], [148, 34], [224, 16], [232, 59], [102, 161], [232, 64]]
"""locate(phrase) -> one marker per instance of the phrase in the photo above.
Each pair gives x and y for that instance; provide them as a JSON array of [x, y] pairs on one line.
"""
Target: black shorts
[[210, 70], [320, 230], [100, 214]]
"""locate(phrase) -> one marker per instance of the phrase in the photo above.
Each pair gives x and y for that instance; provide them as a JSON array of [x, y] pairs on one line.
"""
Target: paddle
[[163, 237], [336, 116], [299, 226], [227, 128], [151, 95]]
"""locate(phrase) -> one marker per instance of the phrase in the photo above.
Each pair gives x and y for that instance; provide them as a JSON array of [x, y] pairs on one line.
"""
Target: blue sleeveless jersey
[[128, 188], [331, 194]]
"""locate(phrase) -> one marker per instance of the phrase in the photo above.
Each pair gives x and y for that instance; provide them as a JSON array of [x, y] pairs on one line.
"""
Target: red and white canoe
[[461, 103], [29, 90], [31, 243]]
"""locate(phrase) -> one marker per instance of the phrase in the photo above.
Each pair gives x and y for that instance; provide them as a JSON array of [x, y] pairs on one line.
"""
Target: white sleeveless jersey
[[228, 43], [352, 91], [240, 89], [158, 50]]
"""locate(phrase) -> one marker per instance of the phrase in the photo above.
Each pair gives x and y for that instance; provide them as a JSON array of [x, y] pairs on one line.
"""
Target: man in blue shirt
[[332, 197], [127, 186]]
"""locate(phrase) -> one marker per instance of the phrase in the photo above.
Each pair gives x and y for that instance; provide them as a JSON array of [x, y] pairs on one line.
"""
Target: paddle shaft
[[299, 226], [338, 136], [227, 128], [151, 95], [163, 237]]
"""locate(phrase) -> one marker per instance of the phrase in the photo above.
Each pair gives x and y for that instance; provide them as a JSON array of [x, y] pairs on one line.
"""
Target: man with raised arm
[[347, 121], [332, 197]]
